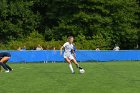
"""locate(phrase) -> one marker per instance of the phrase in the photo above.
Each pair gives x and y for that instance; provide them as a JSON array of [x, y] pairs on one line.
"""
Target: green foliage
[[96, 41], [114, 20], [101, 23], [30, 41], [16, 19]]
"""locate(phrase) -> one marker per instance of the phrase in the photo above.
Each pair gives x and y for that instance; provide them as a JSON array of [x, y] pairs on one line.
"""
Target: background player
[[4, 57], [68, 47]]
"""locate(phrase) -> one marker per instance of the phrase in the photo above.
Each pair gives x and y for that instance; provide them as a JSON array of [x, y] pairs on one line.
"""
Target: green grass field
[[107, 77]]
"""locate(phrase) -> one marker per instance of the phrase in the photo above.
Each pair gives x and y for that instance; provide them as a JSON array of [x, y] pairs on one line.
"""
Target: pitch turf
[[107, 77]]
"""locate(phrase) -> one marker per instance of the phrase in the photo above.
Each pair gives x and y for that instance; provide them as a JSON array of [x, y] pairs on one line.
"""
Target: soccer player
[[68, 47], [4, 57]]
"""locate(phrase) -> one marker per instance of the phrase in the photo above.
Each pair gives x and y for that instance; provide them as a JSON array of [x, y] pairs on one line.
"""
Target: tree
[[109, 22], [17, 20]]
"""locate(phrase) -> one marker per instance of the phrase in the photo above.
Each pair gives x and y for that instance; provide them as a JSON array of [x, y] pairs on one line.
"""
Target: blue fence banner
[[81, 55]]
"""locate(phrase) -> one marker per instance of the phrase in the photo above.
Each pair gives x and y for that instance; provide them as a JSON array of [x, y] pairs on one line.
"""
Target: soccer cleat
[[7, 71], [77, 65], [11, 69], [80, 68]]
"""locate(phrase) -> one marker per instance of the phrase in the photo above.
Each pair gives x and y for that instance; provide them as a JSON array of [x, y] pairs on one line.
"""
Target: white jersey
[[68, 47], [67, 53]]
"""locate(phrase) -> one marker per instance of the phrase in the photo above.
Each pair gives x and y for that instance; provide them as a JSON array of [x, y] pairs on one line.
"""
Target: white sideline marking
[[25, 68]]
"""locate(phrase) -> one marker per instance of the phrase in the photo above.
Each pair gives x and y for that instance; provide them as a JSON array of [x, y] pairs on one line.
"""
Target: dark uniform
[[3, 64], [4, 54]]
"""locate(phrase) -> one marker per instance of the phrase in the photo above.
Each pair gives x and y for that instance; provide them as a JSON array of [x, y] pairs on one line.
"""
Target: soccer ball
[[82, 71]]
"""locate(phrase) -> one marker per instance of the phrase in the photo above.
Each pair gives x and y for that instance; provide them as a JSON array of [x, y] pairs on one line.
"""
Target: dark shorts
[[4, 54]]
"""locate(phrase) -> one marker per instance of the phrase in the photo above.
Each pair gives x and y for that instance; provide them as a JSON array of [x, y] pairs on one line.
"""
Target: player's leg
[[8, 67], [4, 65], [5, 59], [70, 65], [76, 63]]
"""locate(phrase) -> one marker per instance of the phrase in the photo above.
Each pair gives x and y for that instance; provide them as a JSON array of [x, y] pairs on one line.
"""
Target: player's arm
[[61, 50], [73, 52]]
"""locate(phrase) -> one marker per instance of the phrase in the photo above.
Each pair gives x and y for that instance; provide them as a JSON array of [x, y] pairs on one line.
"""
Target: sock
[[3, 65], [71, 68], [8, 67], [77, 65]]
